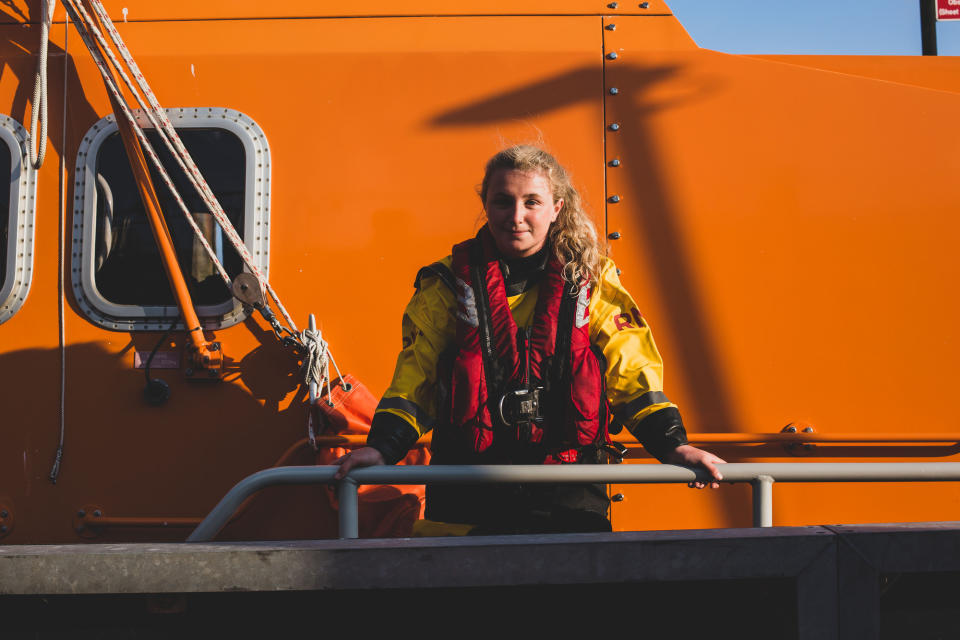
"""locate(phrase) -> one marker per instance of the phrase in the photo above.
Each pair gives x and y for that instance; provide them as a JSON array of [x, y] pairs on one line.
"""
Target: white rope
[[82, 21], [37, 146], [318, 357], [158, 118]]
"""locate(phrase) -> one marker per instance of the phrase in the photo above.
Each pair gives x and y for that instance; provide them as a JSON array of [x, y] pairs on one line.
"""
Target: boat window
[[6, 164], [119, 278], [17, 200]]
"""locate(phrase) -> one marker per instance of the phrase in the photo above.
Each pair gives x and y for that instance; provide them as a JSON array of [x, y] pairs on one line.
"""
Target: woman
[[516, 348]]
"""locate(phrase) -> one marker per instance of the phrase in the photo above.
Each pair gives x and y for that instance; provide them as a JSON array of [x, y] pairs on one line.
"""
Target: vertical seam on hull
[[603, 87]]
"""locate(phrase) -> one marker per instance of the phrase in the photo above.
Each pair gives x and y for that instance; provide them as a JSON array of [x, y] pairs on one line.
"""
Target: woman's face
[[520, 209]]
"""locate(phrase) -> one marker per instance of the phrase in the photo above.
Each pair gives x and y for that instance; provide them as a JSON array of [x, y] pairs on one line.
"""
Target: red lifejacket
[[492, 360]]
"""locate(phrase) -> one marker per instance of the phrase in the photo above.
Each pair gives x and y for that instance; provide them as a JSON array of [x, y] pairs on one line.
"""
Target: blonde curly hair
[[572, 236]]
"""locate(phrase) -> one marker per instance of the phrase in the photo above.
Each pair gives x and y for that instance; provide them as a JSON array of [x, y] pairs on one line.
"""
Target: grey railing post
[[762, 501], [349, 509]]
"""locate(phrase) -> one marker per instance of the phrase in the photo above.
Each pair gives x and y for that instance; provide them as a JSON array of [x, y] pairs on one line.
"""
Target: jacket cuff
[[392, 436], [660, 432]]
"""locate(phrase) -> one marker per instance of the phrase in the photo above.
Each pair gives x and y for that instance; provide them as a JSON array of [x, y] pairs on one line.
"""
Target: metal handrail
[[760, 475]]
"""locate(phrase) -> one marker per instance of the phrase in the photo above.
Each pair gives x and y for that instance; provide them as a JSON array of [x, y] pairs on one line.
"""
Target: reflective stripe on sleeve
[[411, 408], [624, 413]]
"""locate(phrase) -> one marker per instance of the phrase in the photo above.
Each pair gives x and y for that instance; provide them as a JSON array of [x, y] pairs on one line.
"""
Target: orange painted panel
[[791, 244]]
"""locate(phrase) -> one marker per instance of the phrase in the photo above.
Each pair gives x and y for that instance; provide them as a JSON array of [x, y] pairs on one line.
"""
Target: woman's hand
[[687, 456], [362, 457]]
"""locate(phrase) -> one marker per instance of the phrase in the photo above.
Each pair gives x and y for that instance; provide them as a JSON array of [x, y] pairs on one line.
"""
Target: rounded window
[[119, 278], [16, 219]]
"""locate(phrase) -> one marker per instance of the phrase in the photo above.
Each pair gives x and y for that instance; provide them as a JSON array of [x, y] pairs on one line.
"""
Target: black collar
[[520, 274]]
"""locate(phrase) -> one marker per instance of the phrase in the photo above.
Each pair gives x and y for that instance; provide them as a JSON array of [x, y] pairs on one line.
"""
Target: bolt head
[[81, 513], [618, 271], [614, 199], [644, 5], [612, 55], [617, 497], [614, 91], [614, 235], [612, 5], [97, 513], [4, 514], [615, 126], [611, 27], [3, 528], [615, 162]]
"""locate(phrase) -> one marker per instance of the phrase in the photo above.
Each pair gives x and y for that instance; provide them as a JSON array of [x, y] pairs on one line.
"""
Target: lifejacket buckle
[[520, 406], [615, 451]]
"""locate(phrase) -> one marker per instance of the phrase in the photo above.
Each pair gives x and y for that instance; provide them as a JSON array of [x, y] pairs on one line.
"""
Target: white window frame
[[256, 229], [20, 229]]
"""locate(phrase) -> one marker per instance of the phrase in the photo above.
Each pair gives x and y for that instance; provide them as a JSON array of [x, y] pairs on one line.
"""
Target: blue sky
[[861, 27]]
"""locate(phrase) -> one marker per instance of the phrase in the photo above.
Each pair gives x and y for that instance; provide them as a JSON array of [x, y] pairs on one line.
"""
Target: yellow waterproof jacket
[[634, 375]]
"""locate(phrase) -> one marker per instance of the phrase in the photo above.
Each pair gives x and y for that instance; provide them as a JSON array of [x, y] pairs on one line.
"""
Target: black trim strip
[[625, 412], [422, 417]]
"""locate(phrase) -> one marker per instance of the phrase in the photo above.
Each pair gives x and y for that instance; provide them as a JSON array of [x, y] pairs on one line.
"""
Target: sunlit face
[[520, 210]]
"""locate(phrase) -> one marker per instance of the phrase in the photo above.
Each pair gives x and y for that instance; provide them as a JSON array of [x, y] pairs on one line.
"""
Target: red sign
[[948, 9]]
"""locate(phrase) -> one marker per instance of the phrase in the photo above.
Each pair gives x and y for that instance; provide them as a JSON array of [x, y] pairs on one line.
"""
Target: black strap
[[557, 378], [439, 270], [492, 369]]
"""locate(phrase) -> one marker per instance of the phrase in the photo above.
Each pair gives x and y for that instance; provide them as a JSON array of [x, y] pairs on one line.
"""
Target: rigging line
[[113, 88], [88, 30], [156, 113], [153, 115], [61, 294], [92, 28]]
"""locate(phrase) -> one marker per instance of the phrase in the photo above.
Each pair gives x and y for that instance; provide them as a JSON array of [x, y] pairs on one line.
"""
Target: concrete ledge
[[804, 582], [412, 563]]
